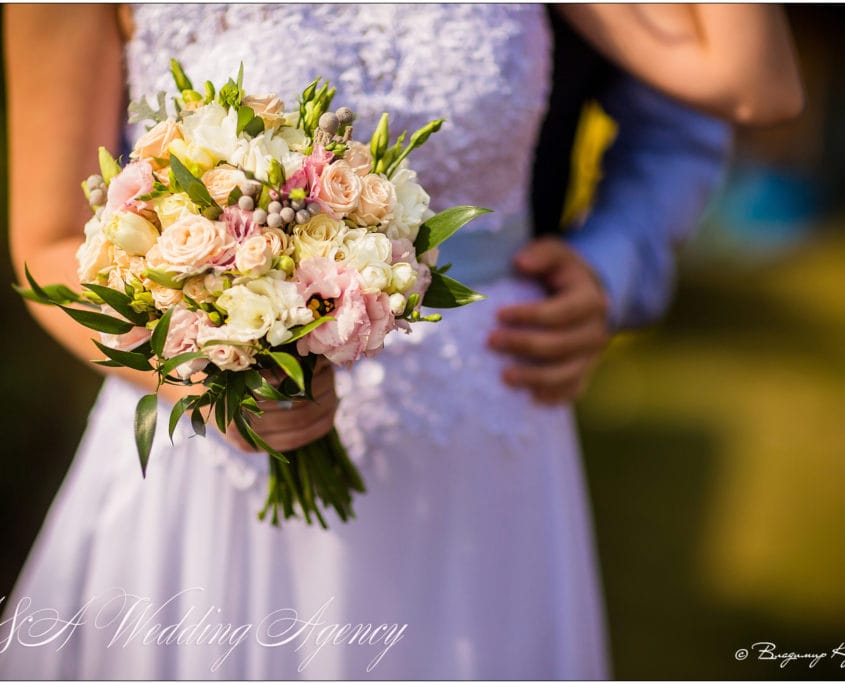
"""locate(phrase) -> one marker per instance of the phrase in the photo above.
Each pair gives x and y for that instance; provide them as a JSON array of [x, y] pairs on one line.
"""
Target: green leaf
[[245, 115], [99, 321], [446, 293], [254, 127], [234, 196], [191, 184], [130, 359], [220, 414], [179, 76], [442, 226], [290, 365], [198, 422], [252, 436], [173, 363], [303, 330], [36, 288], [160, 333], [176, 414], [57, 294], [109, 167], [140, 110], [145, 427], [118, 301]]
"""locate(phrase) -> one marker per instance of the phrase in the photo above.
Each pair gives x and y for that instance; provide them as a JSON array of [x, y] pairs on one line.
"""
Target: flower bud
[[130, 232], [397, 303], [404, 277], [287, 264]]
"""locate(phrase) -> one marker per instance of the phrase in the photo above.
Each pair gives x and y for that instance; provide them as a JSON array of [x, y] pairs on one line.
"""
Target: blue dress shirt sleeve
[[658, 175]]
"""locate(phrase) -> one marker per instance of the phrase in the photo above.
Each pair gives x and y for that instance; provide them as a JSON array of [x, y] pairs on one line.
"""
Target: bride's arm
[[736, 61], [64, 85]]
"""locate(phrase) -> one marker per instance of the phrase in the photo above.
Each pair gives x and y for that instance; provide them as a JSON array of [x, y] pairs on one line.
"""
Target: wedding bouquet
[[242, 243]]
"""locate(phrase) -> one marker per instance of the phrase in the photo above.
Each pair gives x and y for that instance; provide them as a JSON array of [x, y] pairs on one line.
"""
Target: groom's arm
[[657, 178]]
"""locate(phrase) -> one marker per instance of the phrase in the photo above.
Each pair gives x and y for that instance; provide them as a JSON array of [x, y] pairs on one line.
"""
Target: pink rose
[[135, 179], [182, 338], [337, 290], [403, 251]]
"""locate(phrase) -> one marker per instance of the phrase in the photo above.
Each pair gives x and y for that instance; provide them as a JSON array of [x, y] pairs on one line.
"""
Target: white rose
[[95, 254], [404, 276], [234, 357], [250, 315], [130, 232], [254, 255], [212, 129], [411, 207]]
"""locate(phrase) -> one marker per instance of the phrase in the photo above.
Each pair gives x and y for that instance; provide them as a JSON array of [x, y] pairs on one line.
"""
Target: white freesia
[[130, 232], [250, 314], [295, 137], [95, 254], [256, 154], [411, 207], [213, 129]]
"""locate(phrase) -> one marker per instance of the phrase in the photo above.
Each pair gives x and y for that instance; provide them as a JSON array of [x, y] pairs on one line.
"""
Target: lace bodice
[[484, 68]]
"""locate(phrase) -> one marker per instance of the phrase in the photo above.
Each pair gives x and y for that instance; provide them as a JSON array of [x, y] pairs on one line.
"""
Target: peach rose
[[339, 188], [358, 157], [376, 202], [254, 256], [164, 297], [193, 244], [195, 288], [221, 180], [269, 107], [278, 241], [153, 144]]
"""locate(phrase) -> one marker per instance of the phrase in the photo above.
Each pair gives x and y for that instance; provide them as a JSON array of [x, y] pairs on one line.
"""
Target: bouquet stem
[[321, 470]]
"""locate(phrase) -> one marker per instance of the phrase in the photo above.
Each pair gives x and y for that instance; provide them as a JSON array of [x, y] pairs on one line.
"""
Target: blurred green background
[[713, 442]]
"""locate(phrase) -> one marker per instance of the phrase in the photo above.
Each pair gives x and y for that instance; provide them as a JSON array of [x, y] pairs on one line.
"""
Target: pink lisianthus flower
[[382, 320], [239, 223], [126, 341], [182, 338], [136, 179], [360, 320], [308, 176]]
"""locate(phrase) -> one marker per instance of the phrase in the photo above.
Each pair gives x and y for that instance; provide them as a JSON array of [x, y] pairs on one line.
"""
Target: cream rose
[[269, 107], [192, 244], [376, 202], [321, 236], [254, 256], [195, 288], [339, 188], [278, 241], [221, 180], [164, 297], [358, 157], [154, 144], [130, 232], [170, 208]]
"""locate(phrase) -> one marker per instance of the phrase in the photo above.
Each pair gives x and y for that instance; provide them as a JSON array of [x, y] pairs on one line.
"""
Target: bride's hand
[[556, 340], [285, 428]]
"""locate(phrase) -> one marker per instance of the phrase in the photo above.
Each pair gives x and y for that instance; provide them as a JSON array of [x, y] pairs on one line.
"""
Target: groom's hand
[[556, 340]]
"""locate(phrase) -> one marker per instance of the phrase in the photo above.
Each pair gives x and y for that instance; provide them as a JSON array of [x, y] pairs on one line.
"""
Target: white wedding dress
[[474, 544]]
